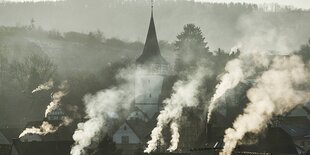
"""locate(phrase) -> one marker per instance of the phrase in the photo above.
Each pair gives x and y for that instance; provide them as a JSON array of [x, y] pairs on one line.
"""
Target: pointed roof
[[151, 53]]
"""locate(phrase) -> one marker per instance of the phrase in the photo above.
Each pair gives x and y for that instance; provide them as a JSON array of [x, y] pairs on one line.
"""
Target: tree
[[32, 26], [3, 69], [96, 36], [3, 82], [190, 46], [304, 52], [32, 70]]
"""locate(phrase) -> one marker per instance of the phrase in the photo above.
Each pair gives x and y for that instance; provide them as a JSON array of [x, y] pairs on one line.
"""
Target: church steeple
[[152, 7], [151, 52]]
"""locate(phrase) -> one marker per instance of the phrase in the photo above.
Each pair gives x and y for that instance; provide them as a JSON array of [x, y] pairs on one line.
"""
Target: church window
[[150, 95]]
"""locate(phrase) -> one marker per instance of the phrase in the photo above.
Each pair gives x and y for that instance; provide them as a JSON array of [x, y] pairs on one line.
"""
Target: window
[[125, 140], [125, 128]]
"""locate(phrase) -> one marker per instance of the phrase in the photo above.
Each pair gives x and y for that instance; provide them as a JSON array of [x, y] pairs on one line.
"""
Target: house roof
[[275, 140], [141, 128], [3, 139], [11, 133], [138, 114], [297, 126], [64, 133]]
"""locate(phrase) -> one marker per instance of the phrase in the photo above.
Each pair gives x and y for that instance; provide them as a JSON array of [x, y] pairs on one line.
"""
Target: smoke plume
[[277, 90], [229, 80], [184, 95], [174, 126], [100, 107], [237, 70], [46, 127], [45, 86], [56, 97]]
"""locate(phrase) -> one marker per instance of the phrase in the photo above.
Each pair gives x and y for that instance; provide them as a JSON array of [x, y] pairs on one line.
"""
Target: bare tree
[[32, 70]]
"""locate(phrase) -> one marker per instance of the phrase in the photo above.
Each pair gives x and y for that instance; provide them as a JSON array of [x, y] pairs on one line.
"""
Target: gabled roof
[[11, 133], [297, 126], [138, 114], [151, 53], [3, 139], [140, 128]]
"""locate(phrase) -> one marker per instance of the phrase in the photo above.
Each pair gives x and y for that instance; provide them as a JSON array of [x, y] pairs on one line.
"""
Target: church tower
[[152, 72], [149, 82]]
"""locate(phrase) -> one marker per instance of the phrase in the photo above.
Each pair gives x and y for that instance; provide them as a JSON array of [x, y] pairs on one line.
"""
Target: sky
[[303, 4]]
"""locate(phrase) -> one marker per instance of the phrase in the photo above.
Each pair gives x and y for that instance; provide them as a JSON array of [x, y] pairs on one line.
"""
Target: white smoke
[[237, 70], [228, 81], [184, 95], [45, 128], [45, 86], [99, 109], [56, 97], [277, 91], [174, 126]]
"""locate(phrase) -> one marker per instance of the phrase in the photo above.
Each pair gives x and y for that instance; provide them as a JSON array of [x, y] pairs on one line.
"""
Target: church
[[150, 90]]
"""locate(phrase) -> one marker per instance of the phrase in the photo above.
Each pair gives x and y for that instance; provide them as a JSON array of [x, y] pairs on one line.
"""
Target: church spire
[[152, 7], [151, 53]]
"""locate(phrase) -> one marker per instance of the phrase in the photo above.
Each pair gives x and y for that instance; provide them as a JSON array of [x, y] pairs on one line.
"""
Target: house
[[132, 135], [59, 142], [274, 140], [298, 127]]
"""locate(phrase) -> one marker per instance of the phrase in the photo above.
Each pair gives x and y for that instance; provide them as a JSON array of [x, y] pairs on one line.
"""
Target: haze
[[303, 4]]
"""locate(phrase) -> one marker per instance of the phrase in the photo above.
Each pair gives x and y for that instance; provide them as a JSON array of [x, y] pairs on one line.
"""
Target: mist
[[277, 91], [222, 26], [211, 72]]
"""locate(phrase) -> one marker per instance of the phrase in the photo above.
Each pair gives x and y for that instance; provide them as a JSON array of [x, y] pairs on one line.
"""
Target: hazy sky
[[304, 4]]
